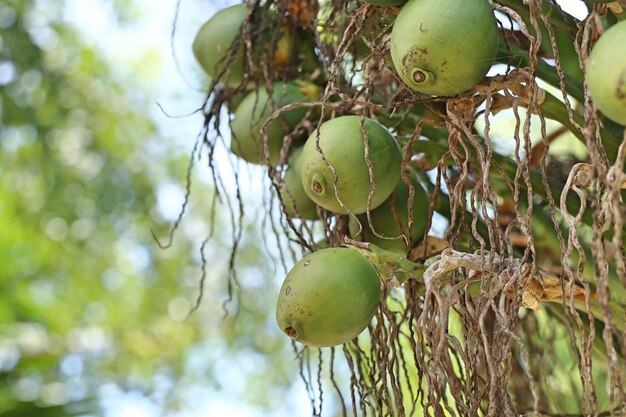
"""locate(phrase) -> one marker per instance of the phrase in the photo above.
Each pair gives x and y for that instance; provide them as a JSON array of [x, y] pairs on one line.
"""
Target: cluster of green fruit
[[352, 164]]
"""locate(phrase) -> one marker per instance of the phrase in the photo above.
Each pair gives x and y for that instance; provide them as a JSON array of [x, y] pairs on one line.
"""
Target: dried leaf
[[519, 240], [427, 248], [615, 7], [584, 175], [545, 287]]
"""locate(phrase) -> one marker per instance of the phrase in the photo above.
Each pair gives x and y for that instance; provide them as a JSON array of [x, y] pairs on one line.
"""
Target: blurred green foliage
[[88, 298]]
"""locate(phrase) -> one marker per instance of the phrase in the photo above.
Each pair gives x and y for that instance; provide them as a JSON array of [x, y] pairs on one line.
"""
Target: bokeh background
[[99, 116]]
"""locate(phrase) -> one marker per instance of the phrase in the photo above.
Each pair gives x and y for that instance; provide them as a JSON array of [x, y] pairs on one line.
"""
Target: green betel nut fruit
[[256, 108], [444, 47], [344, 173], [214, 40], [391, 220], [328, 298], [606, 73], [216, 37], [297, 203]]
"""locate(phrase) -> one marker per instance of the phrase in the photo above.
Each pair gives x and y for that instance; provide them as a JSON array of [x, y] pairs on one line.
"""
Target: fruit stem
[[555, 18], [389, 265], [552, 107], [518, 57], [555, 109]]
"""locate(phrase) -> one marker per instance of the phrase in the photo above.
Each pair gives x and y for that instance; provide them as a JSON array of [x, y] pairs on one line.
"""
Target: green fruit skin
[[390, 226], [253, 111], [606, 73], [452, 42], [297, 203], [343, 145], [328, 298], [213, 41]]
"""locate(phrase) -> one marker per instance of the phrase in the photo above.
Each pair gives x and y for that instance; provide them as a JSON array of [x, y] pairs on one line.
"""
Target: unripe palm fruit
[[213, 42], [606, 73], [343, 146], [297, 203], [391, 219], [444, 47], [329, 297], [254, 110]]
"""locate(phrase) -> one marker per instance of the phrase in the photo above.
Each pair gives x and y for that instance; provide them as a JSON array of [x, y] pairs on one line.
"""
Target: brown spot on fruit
[[307, 262], [287, 290], [291, 332], [620, 92], [318, 184], [419, 77]]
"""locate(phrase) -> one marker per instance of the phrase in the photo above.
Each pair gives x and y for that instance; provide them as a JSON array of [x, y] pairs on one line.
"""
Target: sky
[[176, 86]]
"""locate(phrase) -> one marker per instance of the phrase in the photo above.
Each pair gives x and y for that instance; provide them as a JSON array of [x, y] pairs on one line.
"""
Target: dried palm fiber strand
[[532, 280]]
